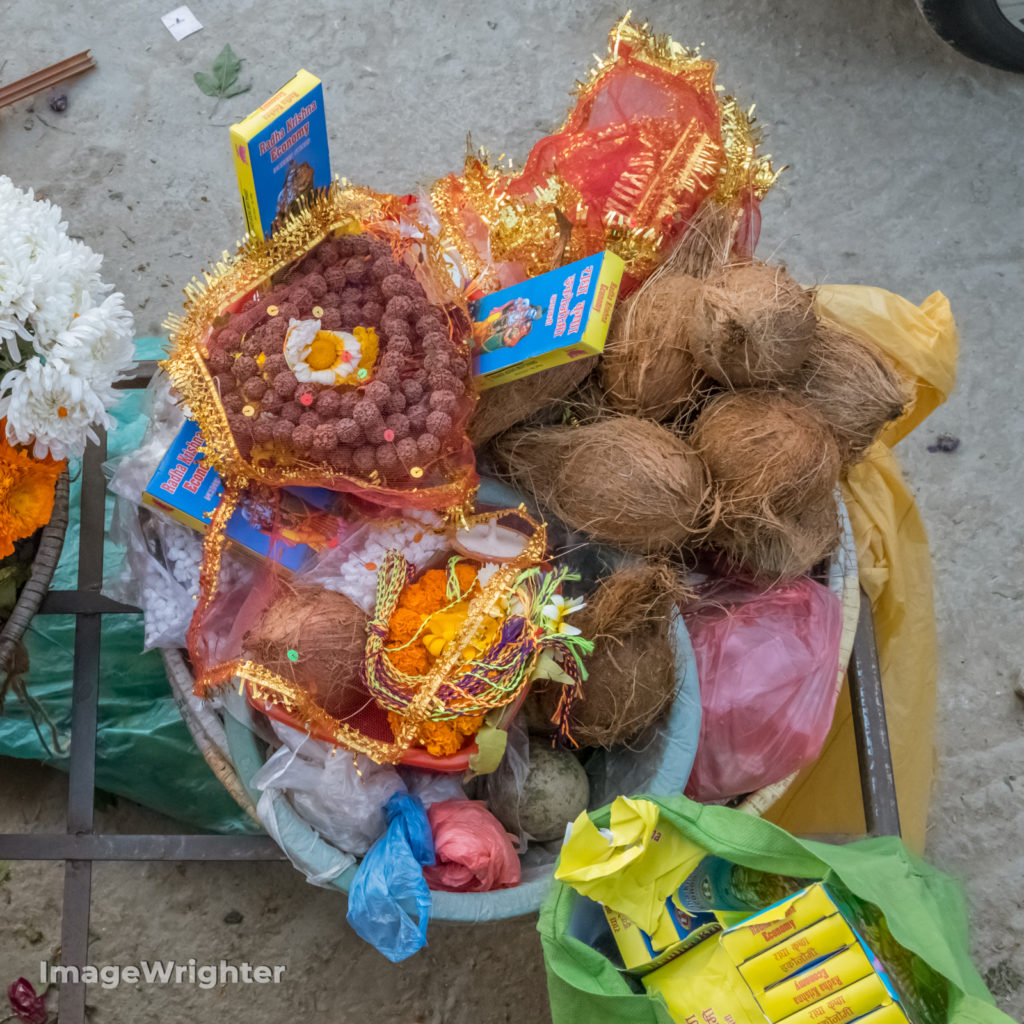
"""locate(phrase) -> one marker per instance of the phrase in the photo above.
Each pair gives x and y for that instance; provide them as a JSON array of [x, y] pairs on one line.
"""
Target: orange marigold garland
[[26, 493]]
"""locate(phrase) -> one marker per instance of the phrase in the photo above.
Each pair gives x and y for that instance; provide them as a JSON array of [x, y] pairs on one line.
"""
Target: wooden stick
[[46, 78]]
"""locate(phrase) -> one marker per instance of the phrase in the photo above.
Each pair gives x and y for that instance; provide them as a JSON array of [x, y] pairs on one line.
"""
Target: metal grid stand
[[79, 846]]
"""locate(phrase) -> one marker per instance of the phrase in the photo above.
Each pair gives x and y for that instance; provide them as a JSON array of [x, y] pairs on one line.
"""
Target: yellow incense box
[[848, 1004], [818, 941], [778, 923], [814, 984], [280, 153], [704, 985]]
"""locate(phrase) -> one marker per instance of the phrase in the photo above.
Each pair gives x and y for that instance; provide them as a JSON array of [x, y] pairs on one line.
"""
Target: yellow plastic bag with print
[[633, 866]]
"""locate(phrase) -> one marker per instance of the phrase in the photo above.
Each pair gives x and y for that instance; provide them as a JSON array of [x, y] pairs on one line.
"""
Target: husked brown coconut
[[774, 547], [623, 480], [766, 451], [631, 674], [648, 368], [854, 386], [504, 406], [317, 639], [753, 324]]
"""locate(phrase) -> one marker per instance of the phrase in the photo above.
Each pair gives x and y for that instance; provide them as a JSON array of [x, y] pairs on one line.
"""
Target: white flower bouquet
[[64, 340]]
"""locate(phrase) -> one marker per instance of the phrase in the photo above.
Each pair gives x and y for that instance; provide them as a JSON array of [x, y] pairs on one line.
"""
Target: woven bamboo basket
[[44, 564]]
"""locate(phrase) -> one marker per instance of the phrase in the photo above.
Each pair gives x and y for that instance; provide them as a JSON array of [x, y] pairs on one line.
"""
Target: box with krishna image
[[545, 321], [280, 153]]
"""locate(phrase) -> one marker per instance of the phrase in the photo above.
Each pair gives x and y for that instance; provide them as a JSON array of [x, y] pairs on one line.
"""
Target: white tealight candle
[[489, 542]]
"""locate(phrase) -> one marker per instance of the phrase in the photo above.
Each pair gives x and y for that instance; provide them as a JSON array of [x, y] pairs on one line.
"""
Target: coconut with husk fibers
[[854, 386], [316, 639], [752, 324], [775, 464], [626, 481], [631, 674]]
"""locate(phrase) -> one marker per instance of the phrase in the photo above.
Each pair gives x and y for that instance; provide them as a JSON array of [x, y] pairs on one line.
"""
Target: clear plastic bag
[[502, 789], [768, 662], [340, 794]]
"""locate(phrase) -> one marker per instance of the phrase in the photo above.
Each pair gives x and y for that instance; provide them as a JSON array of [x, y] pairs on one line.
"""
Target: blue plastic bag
[[390, 879]]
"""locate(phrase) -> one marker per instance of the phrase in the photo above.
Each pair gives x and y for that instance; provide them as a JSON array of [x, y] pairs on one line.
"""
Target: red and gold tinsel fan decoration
[[649, 140]]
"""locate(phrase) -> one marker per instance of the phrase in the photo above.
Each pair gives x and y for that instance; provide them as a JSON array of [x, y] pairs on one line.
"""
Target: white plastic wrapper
[[340, 794], [433, 787], [351, 568]]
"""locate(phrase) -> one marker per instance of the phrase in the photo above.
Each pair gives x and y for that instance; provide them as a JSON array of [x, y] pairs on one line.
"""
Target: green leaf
[[223, 83], [206, 83], [548, 668], [226, 68], [491, 742]]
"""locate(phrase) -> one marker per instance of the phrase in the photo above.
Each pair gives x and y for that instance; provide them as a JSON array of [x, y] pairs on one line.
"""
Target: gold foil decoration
[[423, 703]]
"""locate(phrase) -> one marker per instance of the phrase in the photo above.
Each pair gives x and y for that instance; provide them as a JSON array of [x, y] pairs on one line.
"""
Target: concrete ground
[[905, 172]]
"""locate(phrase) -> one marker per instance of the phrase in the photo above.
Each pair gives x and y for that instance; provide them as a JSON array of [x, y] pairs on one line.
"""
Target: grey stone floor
[[905, 171]]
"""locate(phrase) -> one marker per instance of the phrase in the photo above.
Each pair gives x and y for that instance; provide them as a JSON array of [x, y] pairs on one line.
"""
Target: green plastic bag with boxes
[[923, 910]]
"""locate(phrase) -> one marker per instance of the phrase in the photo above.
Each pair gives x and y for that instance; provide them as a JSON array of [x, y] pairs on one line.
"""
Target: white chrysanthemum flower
[[98, 344], [316, 356], [52, 301], [50, 407]]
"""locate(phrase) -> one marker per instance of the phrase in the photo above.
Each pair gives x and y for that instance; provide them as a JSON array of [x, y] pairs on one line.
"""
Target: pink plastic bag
[[767, 662], [473, 852]]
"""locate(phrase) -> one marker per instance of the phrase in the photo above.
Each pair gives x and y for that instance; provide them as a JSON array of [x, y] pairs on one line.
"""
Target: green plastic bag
[[144, 751], [924, 910]]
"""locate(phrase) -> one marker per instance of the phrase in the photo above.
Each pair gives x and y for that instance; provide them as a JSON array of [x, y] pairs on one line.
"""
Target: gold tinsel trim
[[338, 210], [423, 703]]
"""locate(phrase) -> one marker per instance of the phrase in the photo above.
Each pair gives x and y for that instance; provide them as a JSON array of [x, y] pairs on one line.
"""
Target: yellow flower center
[[323, 353], [62, 412]]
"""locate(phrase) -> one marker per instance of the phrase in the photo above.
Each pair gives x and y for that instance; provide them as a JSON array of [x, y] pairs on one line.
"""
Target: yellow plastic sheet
[[895, 572], [633, 871]]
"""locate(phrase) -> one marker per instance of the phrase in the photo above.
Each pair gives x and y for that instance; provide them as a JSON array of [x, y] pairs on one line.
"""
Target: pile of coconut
[[716, 425]]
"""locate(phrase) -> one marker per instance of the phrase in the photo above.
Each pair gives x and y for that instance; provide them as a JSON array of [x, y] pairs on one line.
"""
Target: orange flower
[[442, 739], [26, 492]]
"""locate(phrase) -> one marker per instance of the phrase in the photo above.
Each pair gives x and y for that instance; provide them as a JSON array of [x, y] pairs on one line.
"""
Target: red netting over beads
[[343, 371]]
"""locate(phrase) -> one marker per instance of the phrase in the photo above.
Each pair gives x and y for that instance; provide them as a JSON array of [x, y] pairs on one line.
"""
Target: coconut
[[623, 480], [705, 246], [555, 791], [631, 674], [774, 547], [753, 324], [508, 404], [854, 386], [769, 454], [647, 368], [316, 639]]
